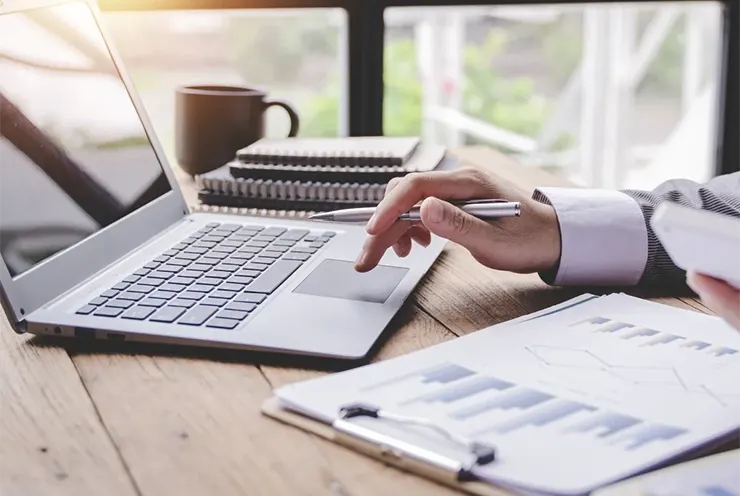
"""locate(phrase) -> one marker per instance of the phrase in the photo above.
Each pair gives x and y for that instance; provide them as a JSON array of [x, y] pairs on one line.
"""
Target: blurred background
[[608, 95]]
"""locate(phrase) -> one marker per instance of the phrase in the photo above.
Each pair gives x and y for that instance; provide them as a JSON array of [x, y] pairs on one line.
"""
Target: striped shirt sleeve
[[606, 238]]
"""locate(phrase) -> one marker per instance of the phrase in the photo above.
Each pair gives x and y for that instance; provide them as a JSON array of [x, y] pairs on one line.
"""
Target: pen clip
[[478, 201], [482, 453]]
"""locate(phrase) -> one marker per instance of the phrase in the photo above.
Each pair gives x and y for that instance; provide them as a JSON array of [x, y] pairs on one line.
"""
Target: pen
[[482, 209]]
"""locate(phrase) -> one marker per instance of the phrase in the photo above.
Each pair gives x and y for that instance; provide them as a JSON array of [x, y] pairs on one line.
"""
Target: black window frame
[[366, 43]]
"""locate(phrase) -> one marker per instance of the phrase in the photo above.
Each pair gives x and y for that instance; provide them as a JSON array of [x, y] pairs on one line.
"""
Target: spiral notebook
[[271, 185], [364, 151], [353, 162]]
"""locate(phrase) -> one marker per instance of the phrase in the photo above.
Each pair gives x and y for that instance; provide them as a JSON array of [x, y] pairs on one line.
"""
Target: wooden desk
[[97, 422]]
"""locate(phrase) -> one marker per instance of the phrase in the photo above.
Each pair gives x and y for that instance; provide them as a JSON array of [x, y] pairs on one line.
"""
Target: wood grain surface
[[107, 422]]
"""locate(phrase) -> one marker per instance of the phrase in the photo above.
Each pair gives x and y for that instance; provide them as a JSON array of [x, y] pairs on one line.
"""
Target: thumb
[[449, 222]]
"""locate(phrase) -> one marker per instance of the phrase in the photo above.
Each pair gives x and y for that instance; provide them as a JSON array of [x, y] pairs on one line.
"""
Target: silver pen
[[481, 209]]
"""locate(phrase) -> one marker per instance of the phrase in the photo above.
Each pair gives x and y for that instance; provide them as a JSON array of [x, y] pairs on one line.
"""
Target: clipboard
[[398, 454]]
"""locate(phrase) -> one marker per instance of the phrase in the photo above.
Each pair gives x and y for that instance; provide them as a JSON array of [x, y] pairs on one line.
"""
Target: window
[[608, 95], [292, 54]]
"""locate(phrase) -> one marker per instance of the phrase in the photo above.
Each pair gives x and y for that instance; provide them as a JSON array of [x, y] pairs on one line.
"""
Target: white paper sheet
[[572, 400]]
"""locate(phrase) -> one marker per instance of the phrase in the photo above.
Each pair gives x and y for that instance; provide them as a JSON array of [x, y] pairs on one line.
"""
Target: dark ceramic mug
[[213, 122]]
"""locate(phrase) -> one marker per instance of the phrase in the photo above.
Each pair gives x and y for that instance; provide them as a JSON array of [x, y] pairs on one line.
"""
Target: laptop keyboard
[[214, 278]]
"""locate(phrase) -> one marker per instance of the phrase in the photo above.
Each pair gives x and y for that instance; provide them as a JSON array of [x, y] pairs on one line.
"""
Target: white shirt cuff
[[603, 236]]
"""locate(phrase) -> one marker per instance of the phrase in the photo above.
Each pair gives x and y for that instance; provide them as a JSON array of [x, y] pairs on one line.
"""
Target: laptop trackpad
[[338, 279]]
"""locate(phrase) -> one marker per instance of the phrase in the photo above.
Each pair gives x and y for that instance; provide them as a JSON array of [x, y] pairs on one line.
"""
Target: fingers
[[376, 245], [449, 222], [717, 295], [402, 194]]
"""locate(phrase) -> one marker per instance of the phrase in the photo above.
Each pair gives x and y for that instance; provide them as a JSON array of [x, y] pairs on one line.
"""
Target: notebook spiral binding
[[293, 190]]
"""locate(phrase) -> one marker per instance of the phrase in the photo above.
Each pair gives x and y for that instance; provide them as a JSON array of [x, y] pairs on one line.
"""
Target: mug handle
[[294, 120]]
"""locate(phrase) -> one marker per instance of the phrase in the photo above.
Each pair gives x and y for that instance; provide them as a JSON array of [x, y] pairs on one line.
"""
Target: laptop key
[[138, 313], [151, 282], [230, 227], [204, 244], [329, 234], [222, 323], [158, 274], [120, 286], [295, 234], [274, 276], [316, 245], [241, 307], [192, 295], [310, 238], [179, 302], [230, 286], [111, 293], [273, 231], [179, 262], [170, 268], [227, 295], [98, 301], [297, 256], [164, 295], [236, 261], [209, 281], [231, 243], [284, 242], [173, 287], [188, 256], [263, 261], [249, 249], [124, 304], [278, 248], [108, 312], [153, 302], [161, 259], [208, 261], [214, 302], [152, 265], [250, 298], [195, 249], [224, 249], [232, 314], [217, 254], [271, 254], [132, 279], [241, 280], [86, 310], [199, 288], [218, 274], [182, 280], [167, 314], [303, 249], [247, 273], [128, 295], [257, 243], [179, 246], [197, 316], [140, 288], [227, 267], [254, 267], [195, 269]]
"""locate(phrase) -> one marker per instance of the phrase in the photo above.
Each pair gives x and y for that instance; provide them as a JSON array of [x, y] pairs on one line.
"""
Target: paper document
[[572, 400]]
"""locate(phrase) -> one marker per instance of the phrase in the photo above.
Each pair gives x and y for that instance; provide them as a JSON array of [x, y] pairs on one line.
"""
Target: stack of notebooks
[[301, 176]]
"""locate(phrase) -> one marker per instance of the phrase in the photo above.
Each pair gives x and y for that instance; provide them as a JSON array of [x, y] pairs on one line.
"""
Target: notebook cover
[[425, 158], [361, 150]]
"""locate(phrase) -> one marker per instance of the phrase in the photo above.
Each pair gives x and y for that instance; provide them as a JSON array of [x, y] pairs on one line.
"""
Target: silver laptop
[[97, 241]]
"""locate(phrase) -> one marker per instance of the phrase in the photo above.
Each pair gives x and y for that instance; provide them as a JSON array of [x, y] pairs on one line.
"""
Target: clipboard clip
[[400, 451]]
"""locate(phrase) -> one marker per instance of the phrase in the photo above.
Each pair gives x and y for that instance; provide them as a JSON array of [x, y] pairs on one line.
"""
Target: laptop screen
[[74, 155]]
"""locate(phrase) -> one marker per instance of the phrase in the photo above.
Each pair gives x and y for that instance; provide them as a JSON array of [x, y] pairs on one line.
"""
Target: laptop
[[97, 241]]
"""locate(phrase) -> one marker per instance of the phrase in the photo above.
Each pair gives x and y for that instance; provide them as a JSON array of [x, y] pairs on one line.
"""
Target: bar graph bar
[[614, 327], [664, 339], [542, 416], [722, 351], [591, 320], [718, 491], [456, 392], [642, 436], [608, 422], [521, 399], [641, 333], [443, 373], [697, 345]]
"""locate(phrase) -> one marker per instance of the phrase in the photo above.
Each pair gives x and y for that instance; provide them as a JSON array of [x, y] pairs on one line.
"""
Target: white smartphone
[[699, 240]]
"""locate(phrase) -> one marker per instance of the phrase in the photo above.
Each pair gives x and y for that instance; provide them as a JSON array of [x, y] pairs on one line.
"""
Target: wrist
[[547, 238]]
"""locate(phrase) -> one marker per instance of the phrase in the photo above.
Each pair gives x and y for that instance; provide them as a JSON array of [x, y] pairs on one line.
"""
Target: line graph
[[568, 365]]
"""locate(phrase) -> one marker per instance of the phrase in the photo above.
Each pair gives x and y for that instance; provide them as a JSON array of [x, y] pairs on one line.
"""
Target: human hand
[[721, 297], [529, 243]]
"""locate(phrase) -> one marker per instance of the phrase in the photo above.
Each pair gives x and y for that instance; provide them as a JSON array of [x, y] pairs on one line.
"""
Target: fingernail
[[436, 211]]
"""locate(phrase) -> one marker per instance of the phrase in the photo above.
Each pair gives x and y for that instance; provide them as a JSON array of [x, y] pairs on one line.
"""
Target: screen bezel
[[68, 268]]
